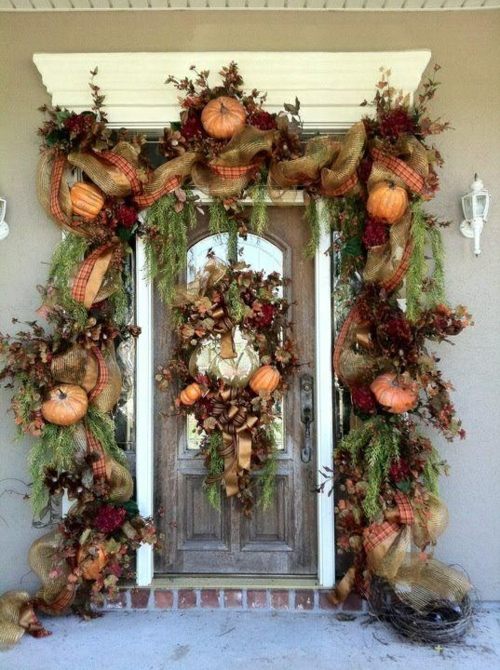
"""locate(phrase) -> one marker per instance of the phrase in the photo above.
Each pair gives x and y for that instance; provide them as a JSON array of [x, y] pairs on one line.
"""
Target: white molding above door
[[330, 86]]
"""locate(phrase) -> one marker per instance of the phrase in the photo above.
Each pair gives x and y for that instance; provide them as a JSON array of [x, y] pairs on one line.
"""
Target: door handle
[[306, 415]]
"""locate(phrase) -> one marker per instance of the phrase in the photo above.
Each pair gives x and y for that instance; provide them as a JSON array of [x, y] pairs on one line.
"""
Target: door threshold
[[236, 581]]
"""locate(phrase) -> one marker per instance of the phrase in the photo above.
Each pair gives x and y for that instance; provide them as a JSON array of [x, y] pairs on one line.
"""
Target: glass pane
[[259, 254]]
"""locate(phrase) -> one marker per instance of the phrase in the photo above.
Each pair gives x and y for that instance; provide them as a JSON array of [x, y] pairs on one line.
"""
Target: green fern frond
[[215, 464], [417, 271], [258, 217]]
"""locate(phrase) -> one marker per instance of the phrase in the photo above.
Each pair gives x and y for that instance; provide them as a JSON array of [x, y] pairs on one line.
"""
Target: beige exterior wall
[[467, 46]]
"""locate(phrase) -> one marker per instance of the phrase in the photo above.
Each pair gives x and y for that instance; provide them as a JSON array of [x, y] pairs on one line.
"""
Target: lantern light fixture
[[475, 205], [4, 228]]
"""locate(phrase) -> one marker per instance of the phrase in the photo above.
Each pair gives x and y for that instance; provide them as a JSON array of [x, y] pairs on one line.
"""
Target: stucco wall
[[467, 47]]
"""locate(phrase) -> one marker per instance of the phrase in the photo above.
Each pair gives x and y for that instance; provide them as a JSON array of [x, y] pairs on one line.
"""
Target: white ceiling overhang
[[330, 86], [287, 5]]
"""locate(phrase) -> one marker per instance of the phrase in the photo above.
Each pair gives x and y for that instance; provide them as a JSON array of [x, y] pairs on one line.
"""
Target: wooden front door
[[281, 540]]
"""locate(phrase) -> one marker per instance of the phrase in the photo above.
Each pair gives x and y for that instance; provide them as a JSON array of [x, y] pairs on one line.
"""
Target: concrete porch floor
[[213, 640]]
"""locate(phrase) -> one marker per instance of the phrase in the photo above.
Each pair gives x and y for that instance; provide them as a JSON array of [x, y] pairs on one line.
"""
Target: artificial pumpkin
[[395, 393], [265, 380], [65, 405], [87, 200], [387, 202], [190, 394], [223, 117], [92, 562]]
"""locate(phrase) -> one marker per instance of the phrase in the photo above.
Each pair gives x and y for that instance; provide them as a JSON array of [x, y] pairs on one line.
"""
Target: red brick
[[233, 599], [256, 599], [304, 600], [164, 599], [324, 602], [117, 601], [353, 603], [140, 598], [279, 600], [210, 598], [187, 598]]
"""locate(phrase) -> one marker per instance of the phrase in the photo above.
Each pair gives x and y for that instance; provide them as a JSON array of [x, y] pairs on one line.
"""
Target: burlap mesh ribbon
[[319, 153], [89, 285], [109, 395], [387, 264], [340, 177], [408, 167], [17, 616], [235, 423], [77, 365]]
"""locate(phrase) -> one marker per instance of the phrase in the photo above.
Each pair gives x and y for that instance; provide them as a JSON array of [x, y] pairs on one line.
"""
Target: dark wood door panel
[[280, 540]]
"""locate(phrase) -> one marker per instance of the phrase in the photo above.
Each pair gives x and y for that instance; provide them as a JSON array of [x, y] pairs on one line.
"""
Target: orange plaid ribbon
[[147, 200], [412, 179], [80, 282], [377, 533], [233, 172], [55, 184], [406, 514], [402, 269], [345, 186], [126, 167], [94, 447], [102, 374]]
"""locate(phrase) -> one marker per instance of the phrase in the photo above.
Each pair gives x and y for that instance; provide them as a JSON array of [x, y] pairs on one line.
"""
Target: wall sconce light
[[4, 228], [475, 206]]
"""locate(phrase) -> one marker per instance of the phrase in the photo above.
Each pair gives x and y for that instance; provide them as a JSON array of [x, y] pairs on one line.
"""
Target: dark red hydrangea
[[399, 470], [126, 215], [262, 120], [395, 123], [398, 330], [79, 124], [265, 317], [363, 400], [191, 127], [115, 569], [109, 518], [376, 233]]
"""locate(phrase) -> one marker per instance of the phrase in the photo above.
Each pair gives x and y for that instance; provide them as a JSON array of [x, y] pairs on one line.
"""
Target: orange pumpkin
[[66, 405], [266, 379], [190, 394], [387, 202], [396, 394], [92, 563], [87, 200], [223, 117]]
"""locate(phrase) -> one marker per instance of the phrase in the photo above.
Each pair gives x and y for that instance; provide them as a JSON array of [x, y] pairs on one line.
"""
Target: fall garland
[[67, 382]]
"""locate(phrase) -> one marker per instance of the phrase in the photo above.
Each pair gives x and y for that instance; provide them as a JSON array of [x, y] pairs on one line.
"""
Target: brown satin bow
[[236, 425], [225, 327]]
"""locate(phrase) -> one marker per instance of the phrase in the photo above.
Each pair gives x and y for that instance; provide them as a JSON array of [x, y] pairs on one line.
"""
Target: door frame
[[323, 403]]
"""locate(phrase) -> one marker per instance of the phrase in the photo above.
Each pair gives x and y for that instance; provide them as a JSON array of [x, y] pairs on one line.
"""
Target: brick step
[[298, 600]]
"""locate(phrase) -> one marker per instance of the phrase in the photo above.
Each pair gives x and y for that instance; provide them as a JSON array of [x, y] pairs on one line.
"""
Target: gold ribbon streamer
[[17, 616]]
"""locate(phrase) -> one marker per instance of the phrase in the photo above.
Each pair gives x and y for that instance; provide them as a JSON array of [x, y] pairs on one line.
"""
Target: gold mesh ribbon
[[319, 153], [89, 283], [17, 616], [340, 177], [106, 400], [77, 365], [387, 264], [236, 424], [56, 595], [166, 178]]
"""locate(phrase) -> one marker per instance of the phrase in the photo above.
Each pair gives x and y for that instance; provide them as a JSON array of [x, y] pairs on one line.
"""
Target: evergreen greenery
[[102, 428], [55, 449], [432, 469], [258, 217], [437, 292], [313, 221], [220, 221], [417, 271], [215, 464], [166, 243], [235, 305], [68, 255], [268, 476]]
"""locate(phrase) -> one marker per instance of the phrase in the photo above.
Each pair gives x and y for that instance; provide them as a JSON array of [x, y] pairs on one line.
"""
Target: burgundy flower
[[363, 400], [364, 169], [79, 124], [395, 123], [191, 127], [265, 316], [398, 330], [115, 569], [399, 470], [376, 233], [262, 120], [126, 215], [109, 518]]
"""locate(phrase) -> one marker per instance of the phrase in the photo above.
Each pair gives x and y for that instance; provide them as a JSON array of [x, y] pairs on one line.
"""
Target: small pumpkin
[[387, 202], [65, 405], [92, 563], [265, 380], [87, 200], [395, 393], [190, 394], [223, 117]]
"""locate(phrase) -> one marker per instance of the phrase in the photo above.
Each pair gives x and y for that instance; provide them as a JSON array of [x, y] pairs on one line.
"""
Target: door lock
[[306, 415]]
